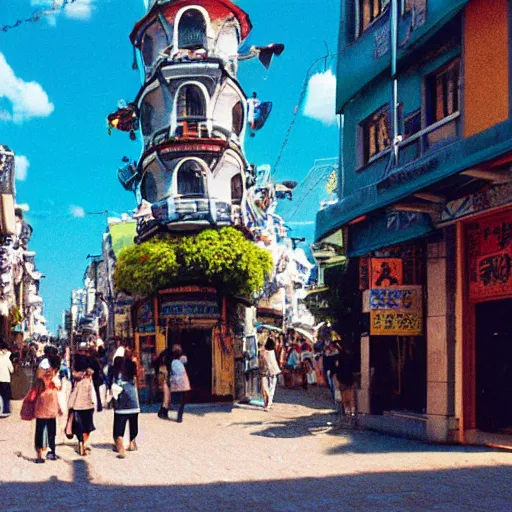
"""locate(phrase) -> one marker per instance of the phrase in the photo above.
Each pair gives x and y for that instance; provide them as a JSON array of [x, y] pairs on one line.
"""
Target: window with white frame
[[191, 103], [191, 179], [192, 30]]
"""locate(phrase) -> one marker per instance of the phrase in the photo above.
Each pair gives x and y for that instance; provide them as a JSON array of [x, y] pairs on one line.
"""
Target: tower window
[[238, 118], [192, 30], [191, 179], [237, 189], [191, 102]]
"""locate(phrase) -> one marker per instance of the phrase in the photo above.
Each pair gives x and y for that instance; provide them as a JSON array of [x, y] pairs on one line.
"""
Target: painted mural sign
[[393, 323], [396, 311], [485, 199], [490, 243], [386, 272], [146, 318]]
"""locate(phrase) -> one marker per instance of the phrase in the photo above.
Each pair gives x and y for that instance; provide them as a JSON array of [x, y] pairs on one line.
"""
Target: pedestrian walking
[[81, 401], [346, 379], [46, 410], [6, 370], [179, 382], [163, 369], [126, 403], [330, 365], [97, 376], [269, 370]]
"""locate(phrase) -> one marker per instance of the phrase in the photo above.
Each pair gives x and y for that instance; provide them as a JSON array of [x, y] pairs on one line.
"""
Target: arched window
[[157, 183], [237, 188], [238, 117], [147, 50], [192, 30], [191, 179], [191, 102]]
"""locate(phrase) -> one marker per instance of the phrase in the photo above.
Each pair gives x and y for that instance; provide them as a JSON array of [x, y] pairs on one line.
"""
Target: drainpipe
[[397, 138]]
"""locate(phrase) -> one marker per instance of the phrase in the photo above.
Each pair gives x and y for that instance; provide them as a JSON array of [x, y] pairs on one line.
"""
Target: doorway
[[197, 346], [494, 366]]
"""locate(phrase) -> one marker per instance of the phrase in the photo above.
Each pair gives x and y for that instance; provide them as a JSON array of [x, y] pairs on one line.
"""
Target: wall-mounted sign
[[386, 272], [490, 254], [146, 318], [396, 311], [194, 309], [393, 323], [399, 298]]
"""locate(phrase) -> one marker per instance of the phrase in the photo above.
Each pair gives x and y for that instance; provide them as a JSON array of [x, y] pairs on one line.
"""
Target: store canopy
[[419, 175]]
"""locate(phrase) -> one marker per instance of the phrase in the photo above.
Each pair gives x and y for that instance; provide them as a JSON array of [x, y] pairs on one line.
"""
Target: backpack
[[27, 412]]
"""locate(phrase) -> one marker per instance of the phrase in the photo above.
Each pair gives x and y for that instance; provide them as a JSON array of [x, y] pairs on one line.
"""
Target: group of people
[[304, 363], [72, 392]]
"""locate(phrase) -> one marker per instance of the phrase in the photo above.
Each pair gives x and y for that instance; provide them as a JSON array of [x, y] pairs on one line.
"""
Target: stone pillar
[[363, 394], [440, 325]]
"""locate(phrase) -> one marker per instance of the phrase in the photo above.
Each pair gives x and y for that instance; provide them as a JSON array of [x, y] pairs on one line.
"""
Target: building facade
[[424, 210]]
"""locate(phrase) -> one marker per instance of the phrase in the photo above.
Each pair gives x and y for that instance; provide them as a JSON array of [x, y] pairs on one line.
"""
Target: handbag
[[68, 430], [28, 407]]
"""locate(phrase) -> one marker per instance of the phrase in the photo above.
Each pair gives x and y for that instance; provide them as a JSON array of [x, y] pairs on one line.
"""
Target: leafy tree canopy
[[221, 258]]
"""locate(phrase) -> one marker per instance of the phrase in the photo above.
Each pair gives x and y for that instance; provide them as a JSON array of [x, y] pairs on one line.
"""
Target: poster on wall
[[145, 318], [490, 243], [386, 272], [396, 311]]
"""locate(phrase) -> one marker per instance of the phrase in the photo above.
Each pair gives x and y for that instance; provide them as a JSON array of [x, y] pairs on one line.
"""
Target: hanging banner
[[490, 253], [146, 318], [364, 273], [386, 272]]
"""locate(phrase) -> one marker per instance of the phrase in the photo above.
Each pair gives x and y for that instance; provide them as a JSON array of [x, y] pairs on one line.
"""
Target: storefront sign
[[386, 272], [399, 298], [396, 311], [145, 318], [190, 309], [490, 245], [393, 323], [491, 197]]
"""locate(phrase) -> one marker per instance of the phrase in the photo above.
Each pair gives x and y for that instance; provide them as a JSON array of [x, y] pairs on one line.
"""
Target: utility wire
[[297, 109]]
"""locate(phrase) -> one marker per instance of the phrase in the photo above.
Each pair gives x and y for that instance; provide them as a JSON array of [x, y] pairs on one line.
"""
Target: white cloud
[[77, 211], [78, 10], [27, 99], [321, 98], [21, 165], [23, 206]]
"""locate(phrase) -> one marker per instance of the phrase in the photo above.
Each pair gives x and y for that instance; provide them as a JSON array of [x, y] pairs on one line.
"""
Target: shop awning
[[421, 174]]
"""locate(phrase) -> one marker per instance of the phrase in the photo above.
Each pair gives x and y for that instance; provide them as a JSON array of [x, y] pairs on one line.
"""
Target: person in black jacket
[[345, 375]]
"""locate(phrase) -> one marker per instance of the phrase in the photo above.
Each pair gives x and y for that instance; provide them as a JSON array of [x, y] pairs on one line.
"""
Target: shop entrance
[[494, 366], [197, 346]]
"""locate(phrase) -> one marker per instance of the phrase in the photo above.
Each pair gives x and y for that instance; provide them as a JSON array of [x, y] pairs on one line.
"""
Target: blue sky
[[66, 74]]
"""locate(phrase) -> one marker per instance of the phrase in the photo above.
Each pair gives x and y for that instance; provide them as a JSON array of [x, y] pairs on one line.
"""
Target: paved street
[[295, 458]]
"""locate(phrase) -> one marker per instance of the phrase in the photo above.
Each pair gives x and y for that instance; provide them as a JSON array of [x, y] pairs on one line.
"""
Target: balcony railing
[[430, 138]]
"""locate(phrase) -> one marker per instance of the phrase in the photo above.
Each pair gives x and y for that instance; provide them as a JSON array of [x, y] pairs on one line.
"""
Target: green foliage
[[142, 269], [221, 258]]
